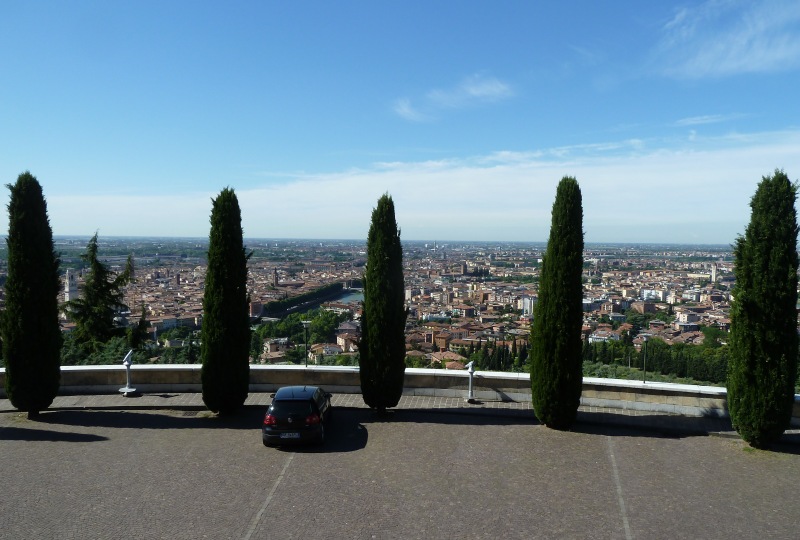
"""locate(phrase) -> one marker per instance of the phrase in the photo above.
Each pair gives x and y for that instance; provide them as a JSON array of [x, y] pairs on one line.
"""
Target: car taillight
[[270, 420], [312, 419]]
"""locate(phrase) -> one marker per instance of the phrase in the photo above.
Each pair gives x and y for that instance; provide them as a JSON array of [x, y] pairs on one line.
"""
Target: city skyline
[[134, 115]]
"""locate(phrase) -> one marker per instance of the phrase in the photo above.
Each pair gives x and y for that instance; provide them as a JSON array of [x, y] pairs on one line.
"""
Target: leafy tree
[[712, 336], [322, 329], [30, 329], [225, 335], [556, 344], [763, 336], [101, 301], [137, 334], [382, 346], [71, 351], [296, 355]]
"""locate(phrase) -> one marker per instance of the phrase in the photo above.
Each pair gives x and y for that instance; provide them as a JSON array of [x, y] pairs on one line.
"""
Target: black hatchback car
[[297, 414]]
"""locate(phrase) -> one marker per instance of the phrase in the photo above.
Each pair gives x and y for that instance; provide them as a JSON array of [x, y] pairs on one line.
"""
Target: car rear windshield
[[291, 407]]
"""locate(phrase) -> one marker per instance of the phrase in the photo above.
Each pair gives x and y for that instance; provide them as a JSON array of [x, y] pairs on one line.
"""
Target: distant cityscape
[[460, 293]]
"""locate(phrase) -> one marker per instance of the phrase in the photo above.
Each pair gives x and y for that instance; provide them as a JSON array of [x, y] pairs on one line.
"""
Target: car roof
[[295, 392]]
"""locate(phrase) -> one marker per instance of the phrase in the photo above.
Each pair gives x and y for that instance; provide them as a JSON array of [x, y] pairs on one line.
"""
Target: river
[[349, 296]]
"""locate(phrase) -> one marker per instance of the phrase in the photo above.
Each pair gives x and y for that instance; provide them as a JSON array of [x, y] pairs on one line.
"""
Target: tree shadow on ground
[[621, 429], [26, 434], [247, 418], [648, 425], [672, 427], [789, 443], [451, 416], [345, 431], [592, 423]]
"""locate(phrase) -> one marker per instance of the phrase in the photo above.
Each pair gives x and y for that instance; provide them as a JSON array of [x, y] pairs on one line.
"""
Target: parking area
[[419, 474]]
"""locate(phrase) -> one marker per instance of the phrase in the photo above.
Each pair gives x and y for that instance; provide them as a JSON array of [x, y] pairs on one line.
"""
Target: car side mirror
[[272, 396], [328, 395]]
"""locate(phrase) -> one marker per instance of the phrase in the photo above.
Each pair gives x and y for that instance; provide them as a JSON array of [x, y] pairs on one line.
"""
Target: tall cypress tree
[[30, 329], [225, 334], [382, 348], [763, 337], [555, 352]]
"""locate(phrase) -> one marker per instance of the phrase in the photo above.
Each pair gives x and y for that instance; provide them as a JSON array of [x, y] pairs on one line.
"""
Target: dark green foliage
[[382, 348], [100, 302], [225, 339], [763, 337], [701, 364], [109, 353], [556, 345], [137, 334], [321, 330], [30, 329]]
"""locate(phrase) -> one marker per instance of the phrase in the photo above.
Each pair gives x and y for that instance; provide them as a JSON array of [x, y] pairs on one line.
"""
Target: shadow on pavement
[[594, 423], [653, 425], [464, 416], [248, 418], [25, 434], [345, 432], [789, 443], [621, 429]]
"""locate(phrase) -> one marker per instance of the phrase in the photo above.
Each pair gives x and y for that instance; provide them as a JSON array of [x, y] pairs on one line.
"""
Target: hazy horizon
[[134, 115], [438, 242]]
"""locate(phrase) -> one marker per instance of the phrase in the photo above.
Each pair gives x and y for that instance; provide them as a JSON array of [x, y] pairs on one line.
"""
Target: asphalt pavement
[[162, 466]]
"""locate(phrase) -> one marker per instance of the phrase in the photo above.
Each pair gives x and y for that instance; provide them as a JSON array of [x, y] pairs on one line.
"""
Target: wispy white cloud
[[472, 91], [698, 192], [727, 37], [633, 190], [703, 119], [403, 108]]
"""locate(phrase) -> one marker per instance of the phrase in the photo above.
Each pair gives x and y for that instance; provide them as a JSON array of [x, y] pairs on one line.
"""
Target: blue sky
[[134, 115]]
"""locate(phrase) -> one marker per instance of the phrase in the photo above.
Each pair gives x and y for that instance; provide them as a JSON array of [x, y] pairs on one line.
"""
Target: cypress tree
[[225, 334], [30, 329], [556, 348], [763, 337], [382, 347]]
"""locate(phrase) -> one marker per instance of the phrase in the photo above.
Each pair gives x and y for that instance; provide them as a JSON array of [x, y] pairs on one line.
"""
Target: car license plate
[[290, 435]]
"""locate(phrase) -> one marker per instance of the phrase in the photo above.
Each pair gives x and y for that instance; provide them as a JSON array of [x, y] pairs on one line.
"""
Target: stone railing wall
[[688, 400]]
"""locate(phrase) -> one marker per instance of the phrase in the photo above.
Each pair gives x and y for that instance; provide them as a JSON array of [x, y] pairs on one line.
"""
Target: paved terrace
[[161, 466]]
